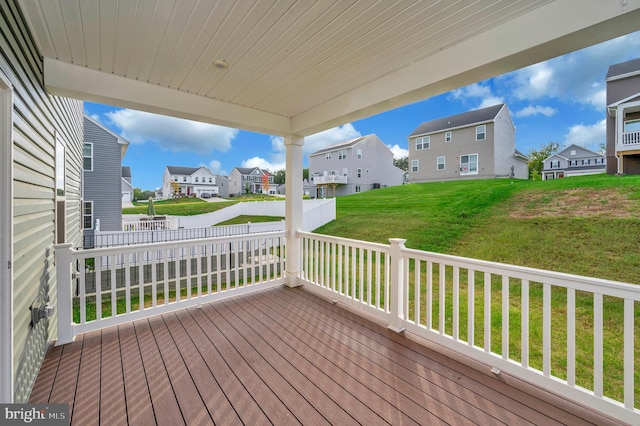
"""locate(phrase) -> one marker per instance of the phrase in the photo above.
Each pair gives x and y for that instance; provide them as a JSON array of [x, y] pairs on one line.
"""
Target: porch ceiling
[[300, 66]]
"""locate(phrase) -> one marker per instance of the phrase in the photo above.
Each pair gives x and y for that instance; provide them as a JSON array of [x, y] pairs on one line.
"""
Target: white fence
[[125, 238], [530, 323], [631, 138], [102, 287], [145, 224]]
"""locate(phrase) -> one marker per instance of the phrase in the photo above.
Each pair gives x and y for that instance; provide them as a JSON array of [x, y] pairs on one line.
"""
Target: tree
[[142, 194], [279, 177], [175, 187], [402, 163], [265, 183], [305, 173], [537, 157]]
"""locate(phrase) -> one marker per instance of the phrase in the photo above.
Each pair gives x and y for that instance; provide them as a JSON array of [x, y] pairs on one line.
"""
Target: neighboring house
[[127, 187], [623, 118], [305, 188], [193, 181], [249, 179], [102, 179], [573, 161], [356, 165], [479, 144], [40, 181]]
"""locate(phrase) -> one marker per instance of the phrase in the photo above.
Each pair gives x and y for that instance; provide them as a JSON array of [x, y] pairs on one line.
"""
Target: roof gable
[[179, 170], [581, 152], [464, 119], [343, 145]]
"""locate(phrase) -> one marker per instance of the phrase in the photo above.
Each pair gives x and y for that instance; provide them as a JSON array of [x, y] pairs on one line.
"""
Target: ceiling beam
[[554, 29], [73, 81]]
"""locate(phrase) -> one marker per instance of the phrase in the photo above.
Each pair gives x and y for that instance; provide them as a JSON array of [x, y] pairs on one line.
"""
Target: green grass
[[189, 206], [242, 219]]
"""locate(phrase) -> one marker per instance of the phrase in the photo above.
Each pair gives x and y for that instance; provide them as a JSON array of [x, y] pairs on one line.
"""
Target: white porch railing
[[523, 321], [102, 287], [320, 180], [631, 138], [144, 224]]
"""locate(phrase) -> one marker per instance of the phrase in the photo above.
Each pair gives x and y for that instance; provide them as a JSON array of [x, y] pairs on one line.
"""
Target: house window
[[415, 165], [573, 152], [184, 178], [631, 126], [423, 142], [334, 173], [447, 136], [87, 153], [87, 215], [328, 157], [481, 132], [345, 171], [359, 173], [175, 178], [440, 163], [359, 153], [196, 178], [210, 180], [573, 162], [357, 188], [342, 154], [469, 164], [556, 164]]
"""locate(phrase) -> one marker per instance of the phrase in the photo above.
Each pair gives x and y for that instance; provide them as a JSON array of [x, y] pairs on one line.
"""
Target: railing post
[[65, 302], [397, 290]]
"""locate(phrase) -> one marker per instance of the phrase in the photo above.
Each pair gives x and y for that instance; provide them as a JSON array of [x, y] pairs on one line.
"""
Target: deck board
[[280, 356]]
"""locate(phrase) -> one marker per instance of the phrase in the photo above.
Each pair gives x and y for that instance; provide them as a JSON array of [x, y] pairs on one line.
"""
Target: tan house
[[478, 144], [623, 118]]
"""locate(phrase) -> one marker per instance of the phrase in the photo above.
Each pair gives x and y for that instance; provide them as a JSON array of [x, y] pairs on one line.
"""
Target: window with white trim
[[447, 136], [481, 132], [415, 165], [345, 171], [359, 173], [87, 154], [440, 163], [555, 164], [328, 156], [469, 164], [423, 142], [342, 154], [357, 188], [87, 215], [197, 178], [184, 178], [359, 153]]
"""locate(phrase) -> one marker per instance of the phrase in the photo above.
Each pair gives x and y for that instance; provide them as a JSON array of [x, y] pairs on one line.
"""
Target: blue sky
[[561, 100]]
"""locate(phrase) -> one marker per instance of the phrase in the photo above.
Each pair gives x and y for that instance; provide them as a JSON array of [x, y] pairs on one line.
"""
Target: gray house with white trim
[[193, 182], [242, 179], [352, 166], [478, 144], [573, 161], [127, 185], [102, 178], [623, 118]]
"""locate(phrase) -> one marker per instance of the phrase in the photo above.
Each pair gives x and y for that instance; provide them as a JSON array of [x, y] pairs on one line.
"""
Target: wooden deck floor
[[279, 356]]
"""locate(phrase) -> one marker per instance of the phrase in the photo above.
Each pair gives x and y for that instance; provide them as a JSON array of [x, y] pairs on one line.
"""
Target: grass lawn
[[189, 206]]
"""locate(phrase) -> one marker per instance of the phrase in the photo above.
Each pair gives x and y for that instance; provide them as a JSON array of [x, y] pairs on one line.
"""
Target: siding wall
[[504, 148], [103, 184], [38, 120], [616, 91]]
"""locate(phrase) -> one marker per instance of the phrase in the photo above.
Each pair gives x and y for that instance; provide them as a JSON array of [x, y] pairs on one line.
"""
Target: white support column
[[619, 138], [293, 207], [65, 302]]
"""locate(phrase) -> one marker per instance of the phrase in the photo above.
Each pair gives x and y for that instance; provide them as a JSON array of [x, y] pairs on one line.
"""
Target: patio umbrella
[[151, 211]]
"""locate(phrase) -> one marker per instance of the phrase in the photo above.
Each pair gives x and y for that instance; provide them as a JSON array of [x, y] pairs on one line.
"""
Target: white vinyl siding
[[423, 142]]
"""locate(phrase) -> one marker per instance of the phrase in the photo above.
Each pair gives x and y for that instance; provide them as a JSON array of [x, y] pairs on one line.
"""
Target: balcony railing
[[631, 138], [322, 180], [527, 322], [154, 224], [519, 320]]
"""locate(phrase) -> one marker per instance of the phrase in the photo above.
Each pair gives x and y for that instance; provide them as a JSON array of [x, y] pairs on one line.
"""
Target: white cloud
[[536, 110], [96, 117], [328, 137], [263, 164], [575, 77], [216, 168], [173, 134], [588, 136], [477, 91], [398, 152]]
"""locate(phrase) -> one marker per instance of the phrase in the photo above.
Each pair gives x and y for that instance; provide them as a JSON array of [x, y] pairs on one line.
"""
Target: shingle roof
[[623, 68], [341, 145], [126, 171], [459, 120], [249, 170], [179, 170]]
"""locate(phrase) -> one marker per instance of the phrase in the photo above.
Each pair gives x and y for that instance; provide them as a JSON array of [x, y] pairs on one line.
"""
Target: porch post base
[[292, 280], [396, 329]]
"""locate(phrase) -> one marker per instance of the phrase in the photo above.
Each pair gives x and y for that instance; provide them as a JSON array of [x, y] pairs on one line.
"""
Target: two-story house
[[623, 118], [102, 179], [250, 179], [573, 161], [478, 144], [200, 182], [127, 185], [356, 165]]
